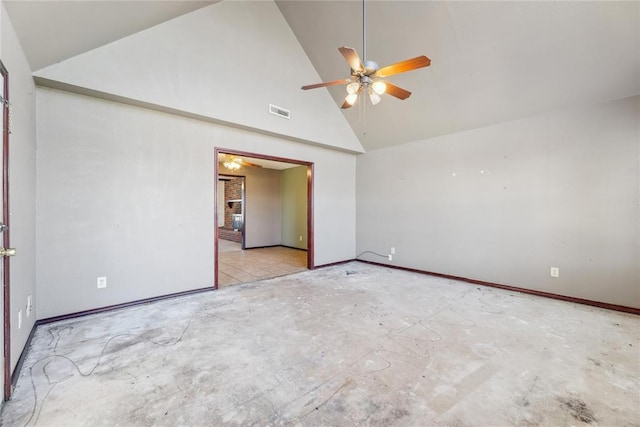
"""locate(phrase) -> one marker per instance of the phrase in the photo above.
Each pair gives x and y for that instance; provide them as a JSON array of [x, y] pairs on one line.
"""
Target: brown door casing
[[310, 234], [5, 234]]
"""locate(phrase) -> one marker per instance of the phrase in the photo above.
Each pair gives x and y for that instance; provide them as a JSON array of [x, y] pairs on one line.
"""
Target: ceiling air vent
[[278, 111]]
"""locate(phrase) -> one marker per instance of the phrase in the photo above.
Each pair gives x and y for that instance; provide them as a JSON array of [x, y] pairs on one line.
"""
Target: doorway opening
[[263, 216], [230, 210]]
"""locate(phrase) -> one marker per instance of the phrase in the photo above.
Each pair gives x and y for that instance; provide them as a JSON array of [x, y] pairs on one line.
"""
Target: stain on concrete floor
[[578, 409], [348, 345]]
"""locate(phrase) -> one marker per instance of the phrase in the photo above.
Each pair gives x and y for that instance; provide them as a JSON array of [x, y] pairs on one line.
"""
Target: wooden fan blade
[[346, 105], [245, 163], [396, 91], [403, 66], [333, 83], [352, 57]]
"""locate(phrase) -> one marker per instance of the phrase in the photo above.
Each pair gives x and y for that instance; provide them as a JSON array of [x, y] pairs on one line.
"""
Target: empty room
[[320, 213]]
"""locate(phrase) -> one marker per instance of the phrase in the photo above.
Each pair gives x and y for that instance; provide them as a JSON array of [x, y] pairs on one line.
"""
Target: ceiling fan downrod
[[364, 30]]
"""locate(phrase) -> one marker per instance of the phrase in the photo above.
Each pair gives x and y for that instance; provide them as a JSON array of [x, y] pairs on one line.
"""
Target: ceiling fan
[[235, 163], [366, 75]]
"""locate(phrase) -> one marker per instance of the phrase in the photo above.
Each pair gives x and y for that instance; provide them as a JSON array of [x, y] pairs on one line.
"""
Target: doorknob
[[7, 252]]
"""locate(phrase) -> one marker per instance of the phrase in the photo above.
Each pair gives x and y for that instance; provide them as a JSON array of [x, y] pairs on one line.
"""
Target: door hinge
[[5, 103]]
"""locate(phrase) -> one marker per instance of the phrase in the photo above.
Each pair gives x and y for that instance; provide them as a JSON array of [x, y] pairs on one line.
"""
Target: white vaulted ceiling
[[491, 61], [51, 30]]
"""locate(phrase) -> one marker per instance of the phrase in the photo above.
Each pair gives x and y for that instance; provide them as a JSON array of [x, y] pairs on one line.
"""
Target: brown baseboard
[[23, 355], [18, 368], [119, 306], [331, 264], [275, 246], [262, 247], [599, 304], [25, 350], [293, 247]]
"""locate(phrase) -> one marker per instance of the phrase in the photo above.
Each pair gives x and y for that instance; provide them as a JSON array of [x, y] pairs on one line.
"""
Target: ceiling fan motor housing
[[370, 67]]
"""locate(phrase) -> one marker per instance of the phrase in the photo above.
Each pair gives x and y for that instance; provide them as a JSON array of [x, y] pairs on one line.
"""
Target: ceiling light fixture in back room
[[234, 163], [366, 75]]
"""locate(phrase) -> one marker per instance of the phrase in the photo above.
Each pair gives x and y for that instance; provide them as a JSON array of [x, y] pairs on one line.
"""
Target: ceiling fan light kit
[[379, 87], [374, 97], [353, 88], [365, 74], [351, 98], [233, 164]]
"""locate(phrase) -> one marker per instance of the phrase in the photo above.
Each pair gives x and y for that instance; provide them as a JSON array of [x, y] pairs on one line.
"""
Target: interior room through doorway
[[263, 215]]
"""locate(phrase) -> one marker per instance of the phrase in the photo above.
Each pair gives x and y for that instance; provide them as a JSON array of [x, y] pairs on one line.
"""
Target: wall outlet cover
[[102, 282]]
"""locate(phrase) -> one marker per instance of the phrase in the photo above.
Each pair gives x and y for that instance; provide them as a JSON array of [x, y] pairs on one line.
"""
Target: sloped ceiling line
[[188, 65], [492, 62]]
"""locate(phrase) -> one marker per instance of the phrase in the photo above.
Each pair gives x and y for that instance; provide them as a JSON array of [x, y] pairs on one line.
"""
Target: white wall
[[228, 62], [262, 205], [263, 208], [127, 193], [22, 163], [294, 207], [276, 205], [505, 203]]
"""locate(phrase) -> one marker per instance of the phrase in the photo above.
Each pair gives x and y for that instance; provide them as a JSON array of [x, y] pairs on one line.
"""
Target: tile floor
[[237, 266]]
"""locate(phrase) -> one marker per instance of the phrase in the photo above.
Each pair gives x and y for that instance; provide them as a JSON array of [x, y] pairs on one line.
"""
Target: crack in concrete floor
[[353, 344]]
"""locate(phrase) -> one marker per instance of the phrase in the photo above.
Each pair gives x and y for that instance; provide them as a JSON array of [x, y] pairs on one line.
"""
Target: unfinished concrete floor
[[348, 345]]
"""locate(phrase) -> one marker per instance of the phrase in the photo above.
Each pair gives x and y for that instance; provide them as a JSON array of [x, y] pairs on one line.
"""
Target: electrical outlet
[[102, 282], [19, 319], [393, 251], [554, 272], [301, 238], [390, 257]]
